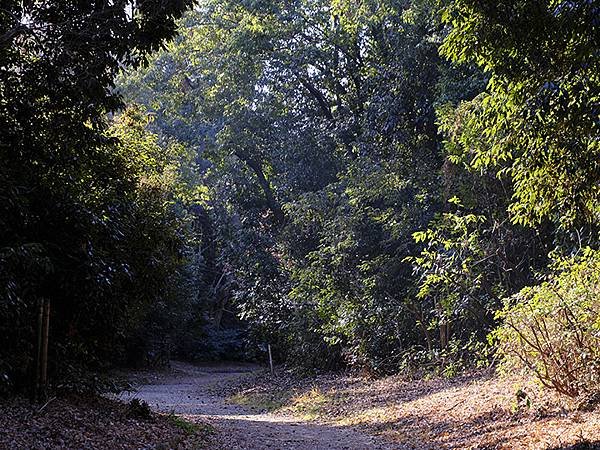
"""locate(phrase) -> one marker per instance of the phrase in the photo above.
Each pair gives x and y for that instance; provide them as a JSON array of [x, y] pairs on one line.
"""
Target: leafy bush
[[553, 329], [139, 409]]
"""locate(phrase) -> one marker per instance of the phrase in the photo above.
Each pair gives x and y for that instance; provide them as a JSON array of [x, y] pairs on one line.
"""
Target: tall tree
[[65, 194], [318, 120]]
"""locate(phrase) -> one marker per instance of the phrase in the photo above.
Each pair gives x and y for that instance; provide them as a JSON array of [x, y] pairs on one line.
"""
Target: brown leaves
[[468, 412], [91, 423]]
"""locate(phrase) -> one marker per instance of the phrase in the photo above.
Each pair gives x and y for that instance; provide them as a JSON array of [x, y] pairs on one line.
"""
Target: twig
[[455, 405], [45, 404]]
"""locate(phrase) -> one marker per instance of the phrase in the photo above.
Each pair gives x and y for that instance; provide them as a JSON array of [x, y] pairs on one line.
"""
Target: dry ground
[[92, 423], [479, 411], [239, 407], [198, 394]]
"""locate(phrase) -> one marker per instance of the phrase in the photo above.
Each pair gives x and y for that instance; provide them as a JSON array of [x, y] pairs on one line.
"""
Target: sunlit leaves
[[538, 120], [553, 329]]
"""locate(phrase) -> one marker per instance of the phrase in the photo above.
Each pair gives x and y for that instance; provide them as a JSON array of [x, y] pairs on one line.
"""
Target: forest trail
[[192, 393]]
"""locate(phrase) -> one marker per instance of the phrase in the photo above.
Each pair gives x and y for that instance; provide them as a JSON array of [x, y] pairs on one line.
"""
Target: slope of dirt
[[477, 411], [194, 393], [90, 423]]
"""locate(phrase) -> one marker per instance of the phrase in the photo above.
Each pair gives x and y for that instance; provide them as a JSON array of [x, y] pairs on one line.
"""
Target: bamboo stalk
[[44, 358], [38, 350]]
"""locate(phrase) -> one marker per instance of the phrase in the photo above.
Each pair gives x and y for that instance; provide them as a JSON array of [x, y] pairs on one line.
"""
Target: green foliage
[[451, 254], [553, 329], [191, 428], [322, 154], [294, 168], [537, 121], [333, 141], [77, 227], [453, 275]]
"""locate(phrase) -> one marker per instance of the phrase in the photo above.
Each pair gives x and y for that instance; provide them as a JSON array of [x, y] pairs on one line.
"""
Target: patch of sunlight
[[259, 400], [310, 404], [371, 416]]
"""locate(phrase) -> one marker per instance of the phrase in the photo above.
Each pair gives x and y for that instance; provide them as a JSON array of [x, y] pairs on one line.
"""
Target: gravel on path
[[190, 391]]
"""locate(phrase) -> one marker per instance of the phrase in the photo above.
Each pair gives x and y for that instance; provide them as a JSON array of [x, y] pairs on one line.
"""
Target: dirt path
[[189, 391]]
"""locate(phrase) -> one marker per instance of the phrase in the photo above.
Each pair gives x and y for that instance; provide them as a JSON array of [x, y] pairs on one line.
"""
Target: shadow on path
[[189, 391]]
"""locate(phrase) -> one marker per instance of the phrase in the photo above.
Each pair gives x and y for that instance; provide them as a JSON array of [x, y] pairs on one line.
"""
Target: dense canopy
[[391, 185]]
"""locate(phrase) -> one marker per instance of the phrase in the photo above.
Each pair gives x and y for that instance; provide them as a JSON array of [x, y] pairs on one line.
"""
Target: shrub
[[139, 409], [553, 329]]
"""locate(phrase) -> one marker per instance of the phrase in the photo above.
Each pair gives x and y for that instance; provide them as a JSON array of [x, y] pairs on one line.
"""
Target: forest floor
[[239, 407], [474, 411], [93, 423], [202, 394], [250, 409]]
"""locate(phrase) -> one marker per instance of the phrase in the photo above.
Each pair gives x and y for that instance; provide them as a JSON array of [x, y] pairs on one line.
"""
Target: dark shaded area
[[587, 445], [78, 232], [91, 422]]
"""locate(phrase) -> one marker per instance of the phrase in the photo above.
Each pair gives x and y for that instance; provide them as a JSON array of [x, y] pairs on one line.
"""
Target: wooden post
[[38, 351], [270, 360], [44, 355]]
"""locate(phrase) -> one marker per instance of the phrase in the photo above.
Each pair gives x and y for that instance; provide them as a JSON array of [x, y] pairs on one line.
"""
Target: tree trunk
[[265, 186], [38, 350], [444, 334], [44, 358], [40, 382]]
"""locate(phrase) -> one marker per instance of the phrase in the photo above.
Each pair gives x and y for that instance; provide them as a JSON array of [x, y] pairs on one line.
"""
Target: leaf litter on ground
[[478, 410]]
